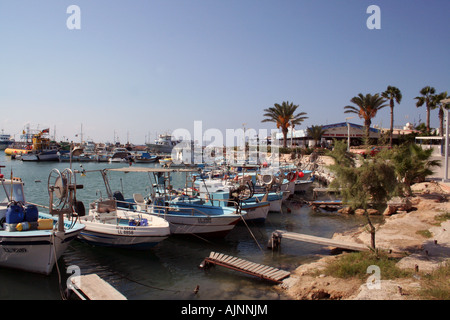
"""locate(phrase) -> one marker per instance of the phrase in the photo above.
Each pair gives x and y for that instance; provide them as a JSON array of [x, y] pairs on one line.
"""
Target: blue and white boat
[[196, 218], [145, 157], [274, 199], [30, 240], [184, 218]]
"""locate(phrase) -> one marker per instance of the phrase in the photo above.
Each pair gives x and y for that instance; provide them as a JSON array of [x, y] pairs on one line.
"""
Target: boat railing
[[166, 209]]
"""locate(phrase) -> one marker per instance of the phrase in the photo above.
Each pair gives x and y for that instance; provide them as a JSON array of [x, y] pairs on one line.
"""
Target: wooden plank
[[95, 288], [252, 268], [261, 268], [245, 266], [232, 260], [226, 259], [321, 241], [278, 274], [255, 267], [271, 272]]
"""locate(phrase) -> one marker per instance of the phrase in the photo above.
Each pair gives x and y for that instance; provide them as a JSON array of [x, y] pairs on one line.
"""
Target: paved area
[[439, 172]]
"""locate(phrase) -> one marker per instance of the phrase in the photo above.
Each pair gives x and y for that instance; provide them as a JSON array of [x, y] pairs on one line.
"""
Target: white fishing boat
[[163, 144], [109, 224], [120, 155], [31, 240], [5, 140]]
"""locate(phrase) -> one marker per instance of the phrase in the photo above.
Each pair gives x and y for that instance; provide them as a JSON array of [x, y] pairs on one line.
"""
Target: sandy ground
[[397, 233]]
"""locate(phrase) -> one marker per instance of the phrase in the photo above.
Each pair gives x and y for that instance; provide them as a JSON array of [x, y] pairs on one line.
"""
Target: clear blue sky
[[145, 66]]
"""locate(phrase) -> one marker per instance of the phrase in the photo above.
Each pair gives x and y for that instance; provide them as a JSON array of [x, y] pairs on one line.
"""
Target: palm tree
[[284, 116], [367, 108], [392, 94], [316, 133], [426, 98], [436, 103]]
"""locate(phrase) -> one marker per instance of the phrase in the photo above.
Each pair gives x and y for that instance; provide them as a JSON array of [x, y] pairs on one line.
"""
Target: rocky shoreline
[[401, 233]]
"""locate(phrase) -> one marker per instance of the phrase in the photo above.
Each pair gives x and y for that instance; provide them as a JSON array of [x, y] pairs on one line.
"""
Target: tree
[[392, 94], [316, 133], [426, 98], [366, 108], [436, 103], [412, 164], [284, 116], [373, 182]]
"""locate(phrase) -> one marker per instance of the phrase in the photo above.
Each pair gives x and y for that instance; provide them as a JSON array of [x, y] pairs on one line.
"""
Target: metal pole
[[446, 148], [348, 136], [445, 102]]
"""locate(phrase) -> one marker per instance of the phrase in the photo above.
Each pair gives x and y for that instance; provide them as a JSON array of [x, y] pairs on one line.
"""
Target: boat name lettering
[[125, 230], [15, 250], [204, 220]]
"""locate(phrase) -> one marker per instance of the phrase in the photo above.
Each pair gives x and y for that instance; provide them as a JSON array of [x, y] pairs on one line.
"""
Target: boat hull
[[302, 185], [257, 214], [189, 219], [118, 233], [41, 156], [36, 250]]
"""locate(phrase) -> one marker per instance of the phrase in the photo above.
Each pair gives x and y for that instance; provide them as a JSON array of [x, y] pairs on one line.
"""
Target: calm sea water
[[170, 270]]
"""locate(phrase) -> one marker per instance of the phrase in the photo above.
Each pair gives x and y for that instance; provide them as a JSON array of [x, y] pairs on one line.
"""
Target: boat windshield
[[5, 192]]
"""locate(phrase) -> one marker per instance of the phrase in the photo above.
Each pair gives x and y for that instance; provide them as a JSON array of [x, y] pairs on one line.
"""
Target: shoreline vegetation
[[411, 256]]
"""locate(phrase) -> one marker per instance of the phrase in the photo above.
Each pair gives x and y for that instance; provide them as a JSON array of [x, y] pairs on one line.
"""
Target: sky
[[134, 69]]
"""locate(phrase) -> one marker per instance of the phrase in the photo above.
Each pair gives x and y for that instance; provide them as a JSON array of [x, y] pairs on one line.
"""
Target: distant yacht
[[5, 140], [164, 144]]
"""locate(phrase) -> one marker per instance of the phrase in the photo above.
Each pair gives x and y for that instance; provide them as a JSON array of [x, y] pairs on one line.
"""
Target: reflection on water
[[170, 270]]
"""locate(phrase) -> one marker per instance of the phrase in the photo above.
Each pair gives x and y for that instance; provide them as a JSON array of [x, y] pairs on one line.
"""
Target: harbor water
[[169, 271]]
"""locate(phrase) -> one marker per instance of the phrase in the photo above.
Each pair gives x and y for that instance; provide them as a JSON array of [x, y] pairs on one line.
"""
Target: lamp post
[[445, 102], [348, 133]]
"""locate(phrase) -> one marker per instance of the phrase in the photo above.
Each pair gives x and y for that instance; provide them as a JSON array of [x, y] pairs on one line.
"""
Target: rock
[[345, 210], [359, 212], [403, 204], [372, 212], [390, 210]]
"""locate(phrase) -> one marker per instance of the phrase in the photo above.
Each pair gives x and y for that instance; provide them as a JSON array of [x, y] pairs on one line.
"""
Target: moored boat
[[184, 218], [145, 157], [5, 140], [30, 240], [109, 224]]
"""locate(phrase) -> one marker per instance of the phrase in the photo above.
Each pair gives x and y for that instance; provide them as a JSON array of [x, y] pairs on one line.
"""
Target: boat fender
[[23, 226], [291, 176], [79, 208]]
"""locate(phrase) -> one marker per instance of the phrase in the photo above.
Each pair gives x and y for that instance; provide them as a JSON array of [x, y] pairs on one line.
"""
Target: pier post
[[274, 241]]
